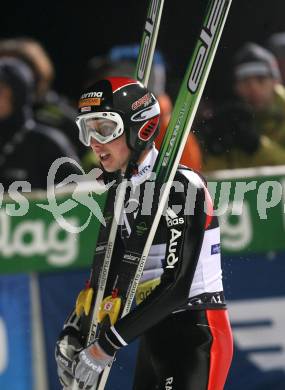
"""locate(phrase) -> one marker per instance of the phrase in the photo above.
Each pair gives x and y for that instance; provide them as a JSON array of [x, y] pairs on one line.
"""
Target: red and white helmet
[[116, 105]]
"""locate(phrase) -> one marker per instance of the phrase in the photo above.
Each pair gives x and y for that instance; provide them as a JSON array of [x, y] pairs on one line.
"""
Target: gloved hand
[[67, 347], [89, 364]]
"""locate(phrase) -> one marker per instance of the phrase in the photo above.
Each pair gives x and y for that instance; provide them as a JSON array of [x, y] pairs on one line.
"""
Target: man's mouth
[[104, 156]]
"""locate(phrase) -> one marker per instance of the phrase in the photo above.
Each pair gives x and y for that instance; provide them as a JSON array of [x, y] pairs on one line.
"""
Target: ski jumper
[[181, 318]]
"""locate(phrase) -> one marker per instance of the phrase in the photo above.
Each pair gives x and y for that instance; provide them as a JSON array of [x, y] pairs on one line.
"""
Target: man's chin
[[107, 169]]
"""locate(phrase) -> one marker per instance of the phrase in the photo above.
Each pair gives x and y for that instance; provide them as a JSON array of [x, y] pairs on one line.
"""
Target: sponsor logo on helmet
[[145, 100], [91, 95], [146, 113], [148, 130], [85, 109], [89, 102]]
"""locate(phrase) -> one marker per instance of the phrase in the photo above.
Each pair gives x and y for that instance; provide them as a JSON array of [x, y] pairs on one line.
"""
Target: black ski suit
[[182, 321]]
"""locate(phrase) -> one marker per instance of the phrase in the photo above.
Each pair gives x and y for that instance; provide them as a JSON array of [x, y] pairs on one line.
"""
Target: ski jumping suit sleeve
[[190, 255]]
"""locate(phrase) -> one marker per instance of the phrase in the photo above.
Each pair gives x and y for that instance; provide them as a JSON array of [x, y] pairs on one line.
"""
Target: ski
[[90, 299], [132, 265]]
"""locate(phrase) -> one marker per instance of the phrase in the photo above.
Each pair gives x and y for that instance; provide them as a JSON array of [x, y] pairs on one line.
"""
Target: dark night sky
[[73, 32]]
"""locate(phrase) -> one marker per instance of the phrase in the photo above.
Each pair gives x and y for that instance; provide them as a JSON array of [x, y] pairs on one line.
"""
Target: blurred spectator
[[257, 83], [276, 44], [121, 61], [231, 140], [250, 130], [27, 148], [50, 108]]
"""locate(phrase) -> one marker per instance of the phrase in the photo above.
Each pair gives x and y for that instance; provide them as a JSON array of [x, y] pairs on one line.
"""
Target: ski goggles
[[104, 127]]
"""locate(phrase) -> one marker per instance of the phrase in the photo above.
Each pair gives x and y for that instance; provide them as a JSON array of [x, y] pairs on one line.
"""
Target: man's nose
[[95, 144]]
